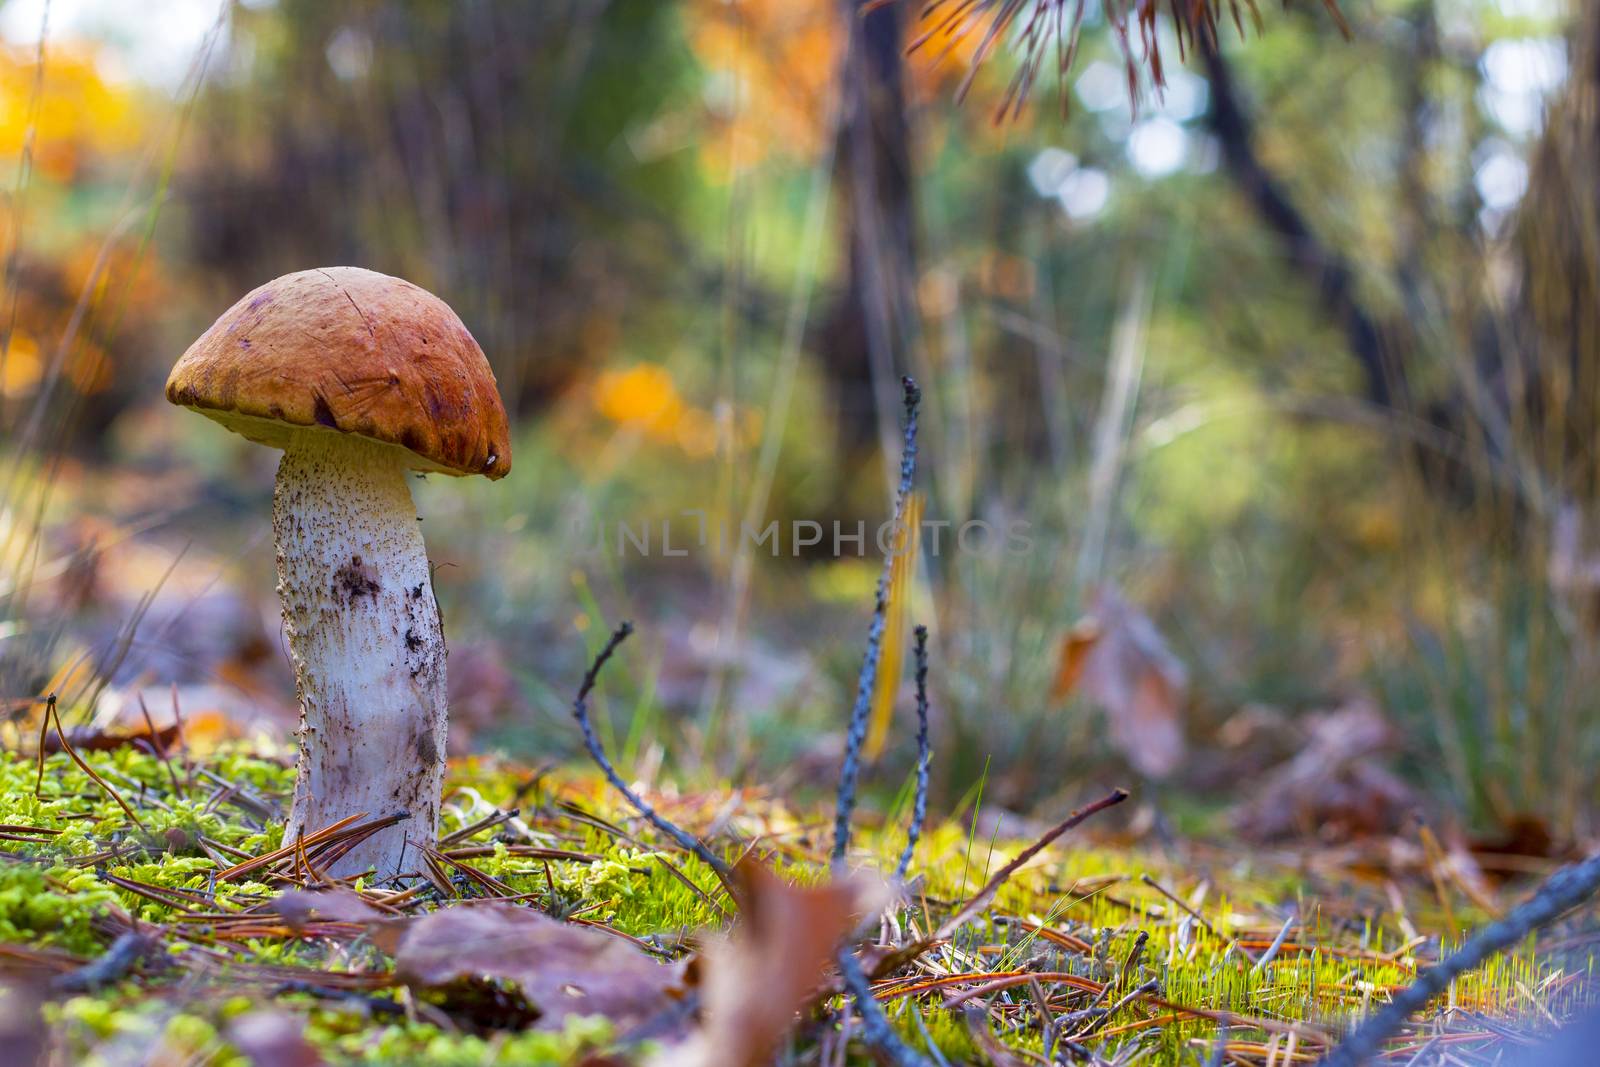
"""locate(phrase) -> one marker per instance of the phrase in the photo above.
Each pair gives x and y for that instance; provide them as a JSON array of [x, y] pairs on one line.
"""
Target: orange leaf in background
[[902, 569], [77, 109], [1075, 649], [645, 398], [644, 395], [771, 67], [208, 728], [1126, 668], [23, 367]]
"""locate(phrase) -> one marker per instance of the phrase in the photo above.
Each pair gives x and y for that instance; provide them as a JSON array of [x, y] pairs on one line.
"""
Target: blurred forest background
[[1291, 366]]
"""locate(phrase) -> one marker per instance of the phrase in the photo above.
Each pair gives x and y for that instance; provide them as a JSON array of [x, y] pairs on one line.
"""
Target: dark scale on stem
[[355, 580]]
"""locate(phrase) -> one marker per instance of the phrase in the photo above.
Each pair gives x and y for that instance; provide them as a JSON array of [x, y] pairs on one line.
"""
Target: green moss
[[56, 892]]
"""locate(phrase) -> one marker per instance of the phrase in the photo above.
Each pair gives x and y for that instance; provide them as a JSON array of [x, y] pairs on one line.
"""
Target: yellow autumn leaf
[[902, 569], [643, 395]]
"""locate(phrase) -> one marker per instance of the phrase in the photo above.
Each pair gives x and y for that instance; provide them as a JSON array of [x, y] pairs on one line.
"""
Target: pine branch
[[1041, 30], [1561, 892], [580, 711], [867, 680], [919, 809], [876, 1031]]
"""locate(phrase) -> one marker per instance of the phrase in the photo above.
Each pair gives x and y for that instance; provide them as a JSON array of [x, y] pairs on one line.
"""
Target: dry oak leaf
[[755, 981], [1117, 658], [1336, 787], [298, 907], [163, 740], [561, 969]]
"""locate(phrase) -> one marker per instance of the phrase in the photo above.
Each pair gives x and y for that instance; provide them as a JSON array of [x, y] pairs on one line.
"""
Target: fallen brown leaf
[[301, 906], [561, 969], [1117, 658], [1335, 787], [1075, 649], [163, 740], [773, 964]]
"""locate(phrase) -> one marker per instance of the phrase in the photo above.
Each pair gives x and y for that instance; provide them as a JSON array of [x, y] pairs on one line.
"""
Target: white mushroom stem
[[367, 647]]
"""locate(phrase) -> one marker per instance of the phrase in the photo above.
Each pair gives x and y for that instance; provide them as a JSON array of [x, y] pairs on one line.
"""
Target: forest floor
[[149, 913]]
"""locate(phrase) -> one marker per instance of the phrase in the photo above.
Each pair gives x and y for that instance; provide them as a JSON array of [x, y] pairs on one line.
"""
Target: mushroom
[[359, 378]]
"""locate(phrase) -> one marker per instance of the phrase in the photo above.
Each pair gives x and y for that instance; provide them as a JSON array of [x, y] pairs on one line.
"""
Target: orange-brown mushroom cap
[[353, 351]]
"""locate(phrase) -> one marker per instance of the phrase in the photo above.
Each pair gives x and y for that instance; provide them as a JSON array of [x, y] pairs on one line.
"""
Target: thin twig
[[980, 901], [478, 827], [160, 748], [866, 681], [580, 711], [1183, 905], [44, 732], [1145, 989], [919, 808], [51, 713], [1563, 891], [970, 910], [183, 739]]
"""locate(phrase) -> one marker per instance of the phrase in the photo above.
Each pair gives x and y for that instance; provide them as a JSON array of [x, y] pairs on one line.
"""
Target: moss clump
[[77, 870]]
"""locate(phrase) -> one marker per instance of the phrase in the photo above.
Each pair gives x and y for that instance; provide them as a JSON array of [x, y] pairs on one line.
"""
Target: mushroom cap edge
[[348, 350]]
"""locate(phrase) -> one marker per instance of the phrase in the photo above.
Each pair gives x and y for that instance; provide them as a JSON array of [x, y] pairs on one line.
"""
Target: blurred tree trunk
[[864, 339], [1552, 366], [1382, 373], [1529, 402]]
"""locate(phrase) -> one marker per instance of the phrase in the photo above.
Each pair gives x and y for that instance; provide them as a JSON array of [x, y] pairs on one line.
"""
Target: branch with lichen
[[875, 1026], [866, 681], [580, 711], [1563, 891], [919, 808]]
